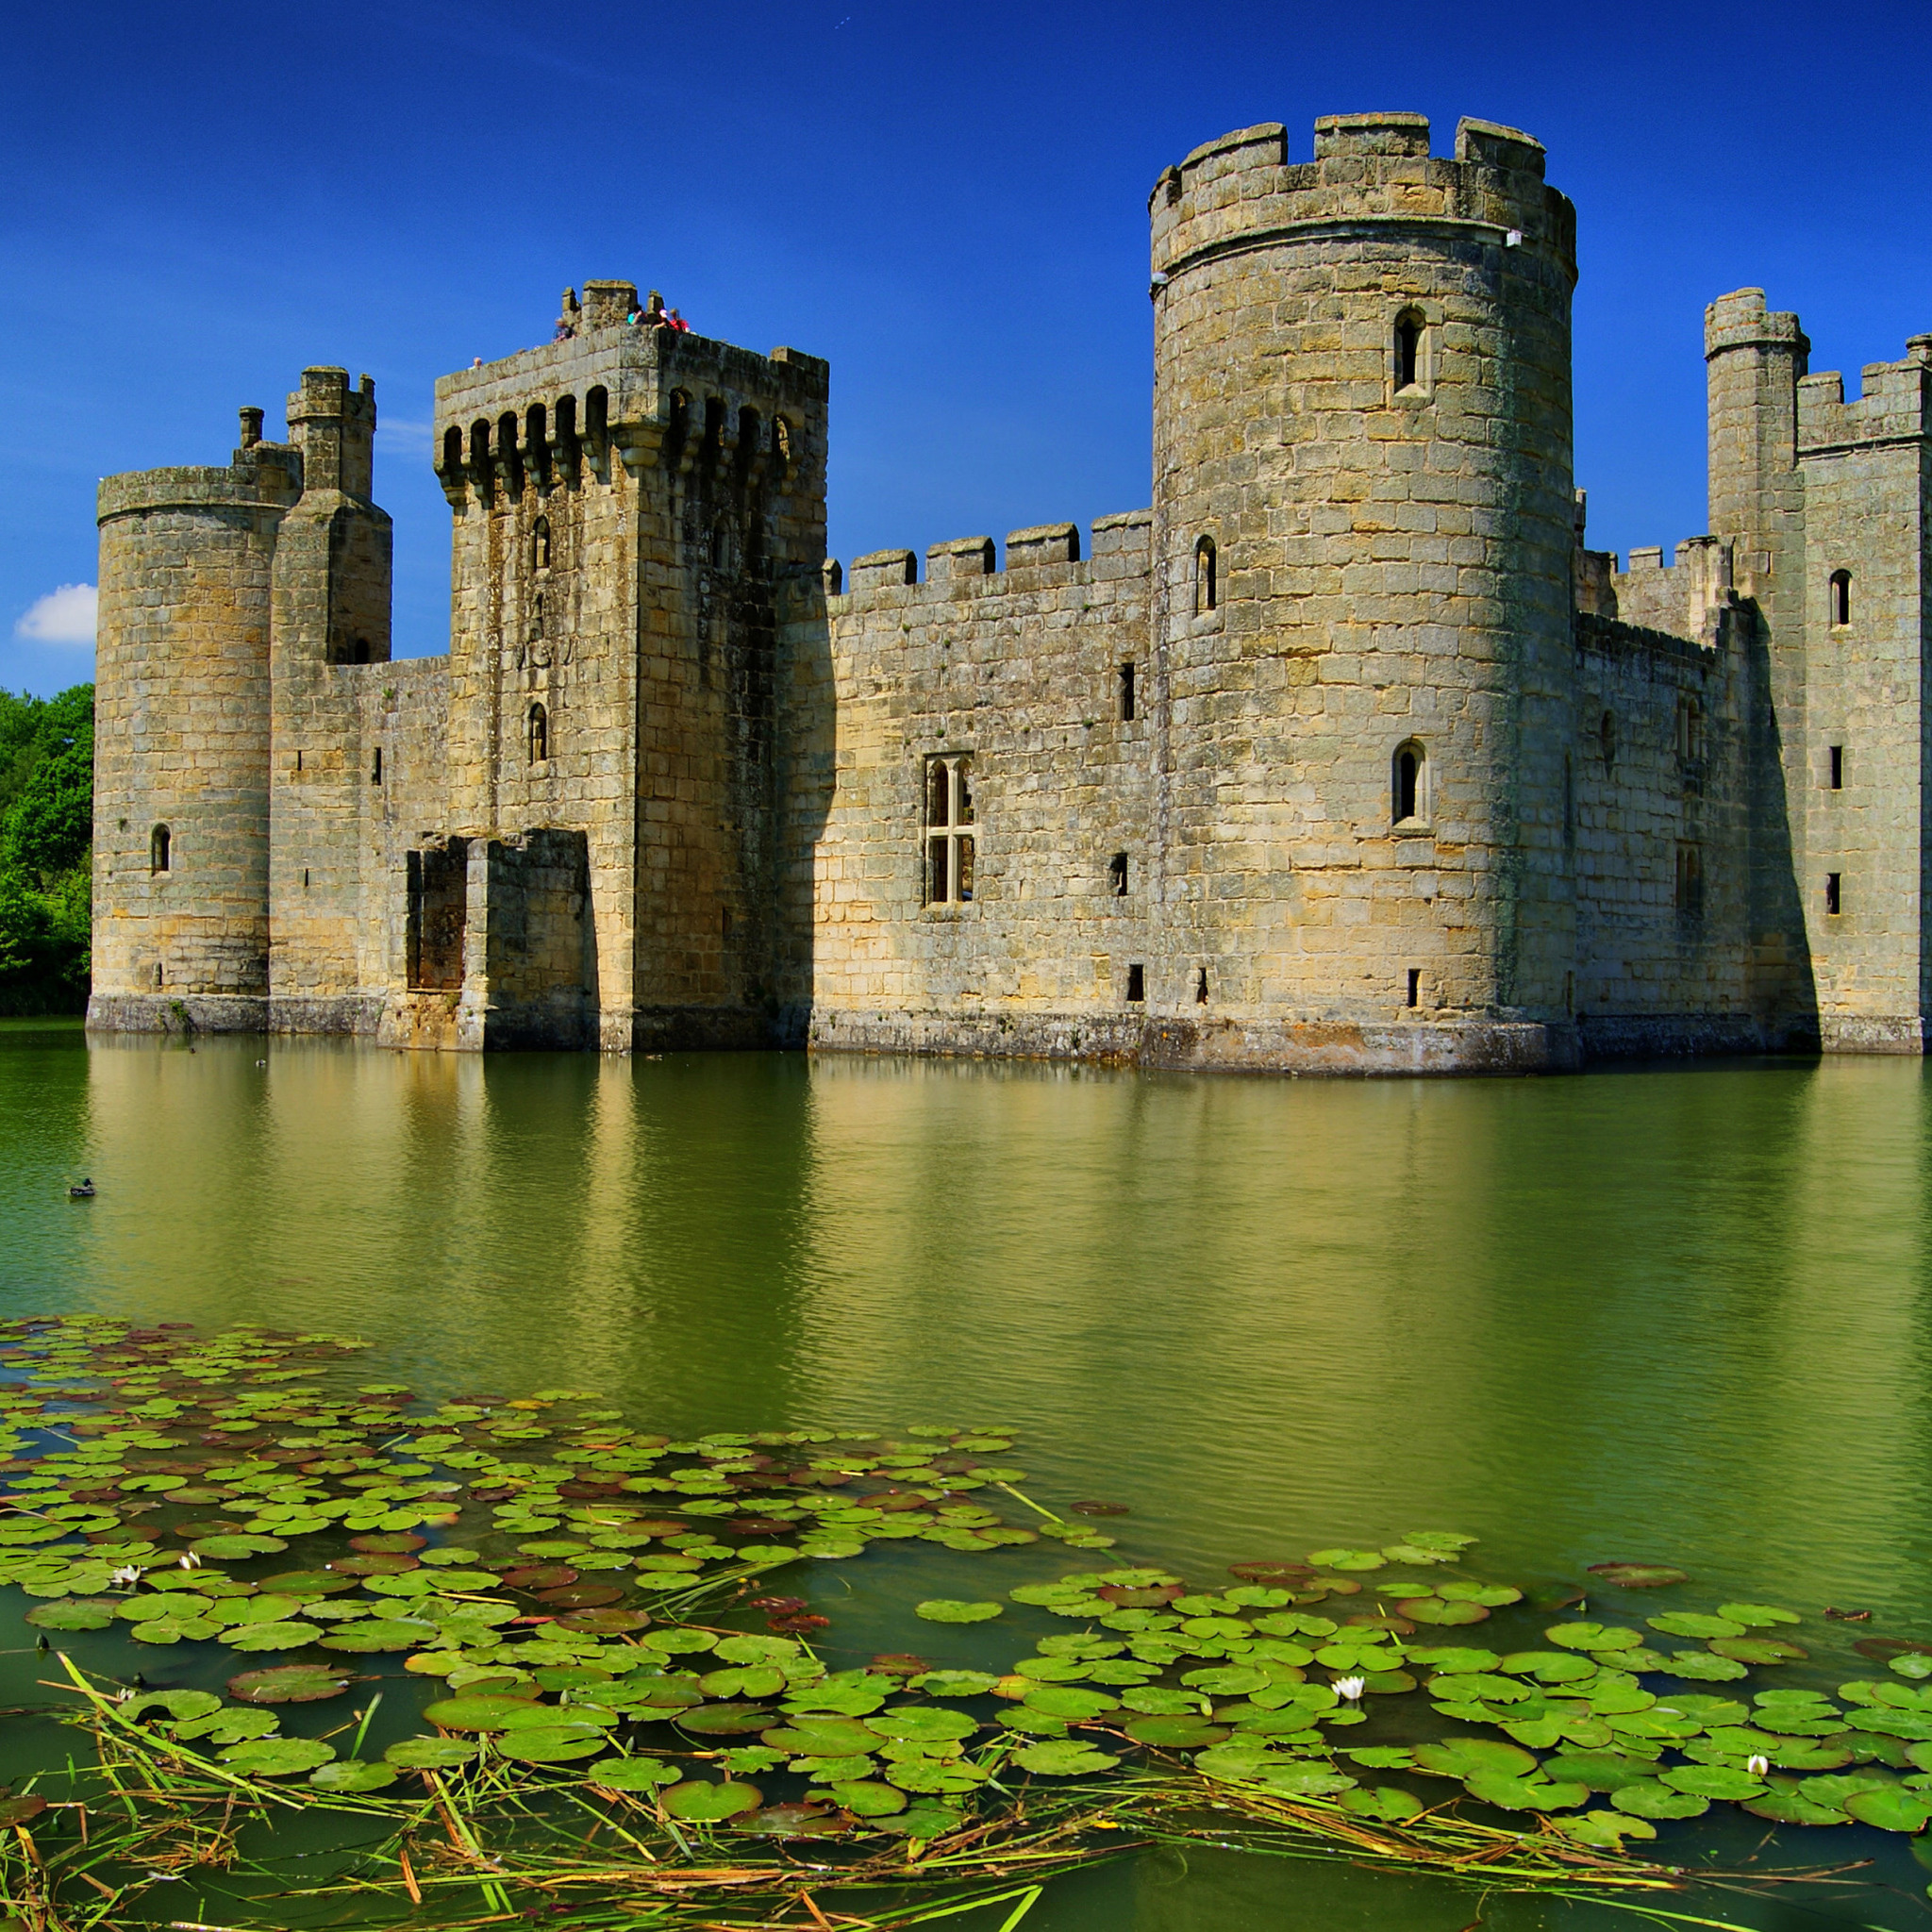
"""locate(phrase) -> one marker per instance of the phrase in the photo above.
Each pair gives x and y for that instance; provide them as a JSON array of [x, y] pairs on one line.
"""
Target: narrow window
[[452, 452], [298, 761], [1126, 694], [1415, 986], [1838, 768], [1569, 992], [1117, 874], [1411, 800], [1840, 597], [159, 840], [540, 544], [1568, 802], [1690, 730], [1607, 739], [1201, 985], [1689, 893], [1207, 588], [540, 734], [305, 878], [725, 924], [1137, 983], [949, 830], [1409, 349], [1833, 894], [375, 767]]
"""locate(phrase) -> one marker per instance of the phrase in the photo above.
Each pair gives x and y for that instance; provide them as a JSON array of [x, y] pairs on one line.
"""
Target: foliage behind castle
[[1345, 754]]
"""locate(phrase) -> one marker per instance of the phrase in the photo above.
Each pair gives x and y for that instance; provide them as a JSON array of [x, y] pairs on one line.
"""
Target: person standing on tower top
[[676, 321]]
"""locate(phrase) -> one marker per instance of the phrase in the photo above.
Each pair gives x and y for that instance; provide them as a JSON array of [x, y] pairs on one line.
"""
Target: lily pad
[[1891, 1807], [728, 1720], [278, 1757], [379, 1634], [1176, 1733], [823, 1737], [697, 1802], [1525, 1793], [1602, 1770], [395, 1544], [1064, 1758], [632, 1774], [1431, 1609], [582, 1596], [1638, 1576], [430, 1753], [868, 1798], [489, 1712], [1758, 1650], [947, 1610], [1593, 1637], [556, 1744], [352, 1774], [283, 1635], [1695, 1623], [222, 1549], [1467, 1757], [71, 1613], [1757, 1616], [924, 1724], [289, 1684], [1653, 1799]]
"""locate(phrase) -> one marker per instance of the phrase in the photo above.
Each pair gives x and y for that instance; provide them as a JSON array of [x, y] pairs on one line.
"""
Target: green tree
[[46, 828]]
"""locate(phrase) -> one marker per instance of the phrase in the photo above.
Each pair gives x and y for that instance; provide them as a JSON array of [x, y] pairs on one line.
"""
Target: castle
[[1346, 754]]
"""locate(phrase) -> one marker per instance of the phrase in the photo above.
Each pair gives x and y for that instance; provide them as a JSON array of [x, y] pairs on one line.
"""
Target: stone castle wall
[[1346, 754]]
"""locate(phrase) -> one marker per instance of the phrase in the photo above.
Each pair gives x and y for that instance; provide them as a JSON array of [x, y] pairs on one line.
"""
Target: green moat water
[[1680, 1315]]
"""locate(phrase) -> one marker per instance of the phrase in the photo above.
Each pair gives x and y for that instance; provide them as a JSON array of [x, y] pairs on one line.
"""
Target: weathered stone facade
[[1346, 754]]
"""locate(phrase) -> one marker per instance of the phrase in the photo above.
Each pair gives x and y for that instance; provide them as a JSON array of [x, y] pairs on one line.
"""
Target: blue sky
[[947, 201]]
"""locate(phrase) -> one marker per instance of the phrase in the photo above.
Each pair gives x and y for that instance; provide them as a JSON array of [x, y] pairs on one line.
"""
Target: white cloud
[[65, 616]]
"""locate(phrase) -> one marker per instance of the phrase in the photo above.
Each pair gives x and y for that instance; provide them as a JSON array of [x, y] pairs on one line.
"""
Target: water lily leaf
[[823, 1737], [935, 1776], [391, 1544], [551, 1743], [582, 1596], [229, 1548], [1347, 1559], [19, 1811], [1695, 1623], [1545, 1666], [430, 1753], [379, 1634], [1785, 1803], [1653, 1799], [1176, 1733], [171, 1630], [1593, 1636], [922, 1822], [71, 1613], [1891, 1807], [1525, 1793], [1430, 1610], [868, 1797], [490, 1712], [632, 1774], [1638, 1576], [1069, 1700], [723, 1720], [179, 1705], [697, 1802], [289, 1684], [1757, 1616], [946, 1611], [1608, 1829], [1713, 1781], [954, 1683], [278, 1757], [1467, 1757], [927, 1723], [305, 1585], [1758, 1650], [1386, 1802], [1700, 1666], [1160, 1700], [1064, 1758], [282, 1635], [1602, 1770], [352, 1774], [604, 1623]]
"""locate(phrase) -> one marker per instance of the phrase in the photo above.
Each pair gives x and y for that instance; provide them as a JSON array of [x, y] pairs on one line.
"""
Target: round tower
[[1363, 526], [181, 740]]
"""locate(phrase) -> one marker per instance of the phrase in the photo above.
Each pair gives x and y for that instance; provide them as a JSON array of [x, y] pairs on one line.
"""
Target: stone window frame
[[1417, 788], [1206, 578], [949, 832], [1688, 895], [161, 850], [1838, 599], [1426, 319], [537, 732]]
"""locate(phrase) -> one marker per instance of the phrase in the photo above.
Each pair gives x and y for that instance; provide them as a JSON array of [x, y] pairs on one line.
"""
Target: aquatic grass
[[611, 1736]]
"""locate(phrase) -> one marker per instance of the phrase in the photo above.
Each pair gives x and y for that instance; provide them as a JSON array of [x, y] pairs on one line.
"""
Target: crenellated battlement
[[1036, 558], [1367, 168], [1679, 595], [1895, 404], [610, 385]]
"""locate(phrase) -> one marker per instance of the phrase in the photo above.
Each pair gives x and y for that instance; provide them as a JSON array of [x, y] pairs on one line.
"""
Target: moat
[[1675, 1315]]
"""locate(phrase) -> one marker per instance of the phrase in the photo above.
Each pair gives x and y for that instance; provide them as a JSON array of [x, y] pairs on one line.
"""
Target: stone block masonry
[[1345, 754]]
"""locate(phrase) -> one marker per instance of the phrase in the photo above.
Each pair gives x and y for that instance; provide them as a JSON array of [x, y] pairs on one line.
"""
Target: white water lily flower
[[1350, 1688], [189, 1560], [128, 1573], [1757, 1766]]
